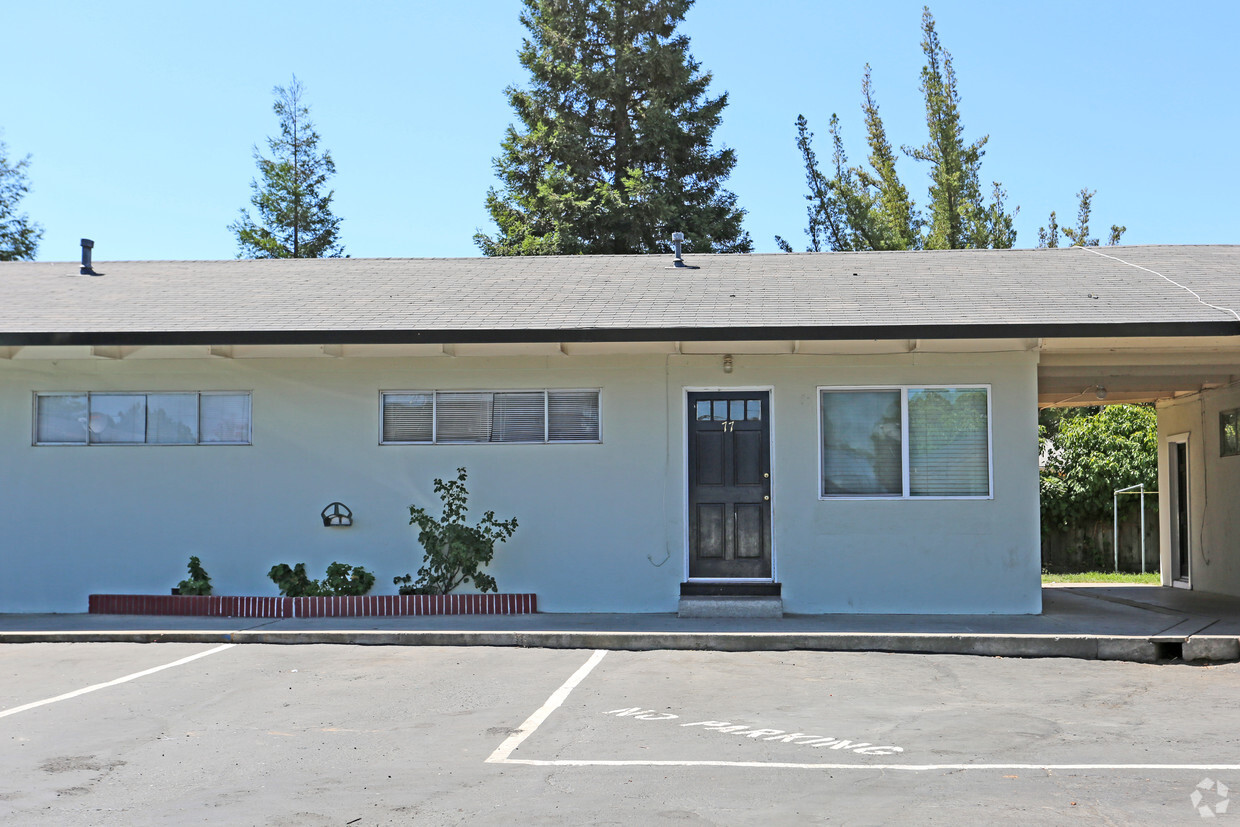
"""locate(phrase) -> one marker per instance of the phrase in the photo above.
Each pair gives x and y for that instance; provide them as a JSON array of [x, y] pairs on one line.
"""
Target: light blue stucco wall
[[601, 526], [896, 556], [1214, 511]]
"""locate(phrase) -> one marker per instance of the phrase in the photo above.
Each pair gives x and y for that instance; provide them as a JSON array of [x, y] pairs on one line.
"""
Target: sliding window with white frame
[[129, 418], [528, 416], [905, 442]]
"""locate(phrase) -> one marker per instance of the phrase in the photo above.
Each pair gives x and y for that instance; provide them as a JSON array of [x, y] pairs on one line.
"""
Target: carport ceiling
[[1070, 371]]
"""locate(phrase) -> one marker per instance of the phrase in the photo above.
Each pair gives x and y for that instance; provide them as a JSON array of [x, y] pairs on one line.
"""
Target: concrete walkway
[[1136, 623]]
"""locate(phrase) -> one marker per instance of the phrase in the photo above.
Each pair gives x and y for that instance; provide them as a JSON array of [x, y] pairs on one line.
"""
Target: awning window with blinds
[[424, 417], [905, 442]]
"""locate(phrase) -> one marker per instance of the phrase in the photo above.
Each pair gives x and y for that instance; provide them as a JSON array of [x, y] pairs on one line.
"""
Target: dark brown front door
[[730, 484]]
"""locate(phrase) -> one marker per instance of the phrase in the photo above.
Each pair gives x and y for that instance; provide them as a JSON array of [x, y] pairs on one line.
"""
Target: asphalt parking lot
[[340, 735]]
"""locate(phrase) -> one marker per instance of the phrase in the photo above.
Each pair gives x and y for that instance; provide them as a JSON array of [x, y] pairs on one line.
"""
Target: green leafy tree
[[612, 152], [455, 552], [1048, 236], [1091, 455], [290, 196], [870, 209], [19, 236]]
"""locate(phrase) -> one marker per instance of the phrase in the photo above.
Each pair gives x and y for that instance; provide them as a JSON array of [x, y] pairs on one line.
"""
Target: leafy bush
[[1089, 456], [198, 582], [341, 579], [455, 551]]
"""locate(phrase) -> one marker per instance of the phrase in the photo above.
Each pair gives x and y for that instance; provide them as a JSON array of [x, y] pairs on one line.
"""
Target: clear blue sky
[[141, 116]]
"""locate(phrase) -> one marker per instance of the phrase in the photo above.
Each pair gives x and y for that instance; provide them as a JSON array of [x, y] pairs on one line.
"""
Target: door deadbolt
[[766, 496], [766, 476]]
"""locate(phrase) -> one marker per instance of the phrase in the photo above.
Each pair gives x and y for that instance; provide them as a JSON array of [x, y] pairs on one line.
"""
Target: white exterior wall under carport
[[602, 526], [1213, 480]]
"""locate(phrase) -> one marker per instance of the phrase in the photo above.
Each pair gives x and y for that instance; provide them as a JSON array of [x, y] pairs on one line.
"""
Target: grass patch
[[1149, 578]]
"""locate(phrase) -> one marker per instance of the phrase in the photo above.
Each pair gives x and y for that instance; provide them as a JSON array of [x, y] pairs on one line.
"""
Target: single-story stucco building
[[856, 432]]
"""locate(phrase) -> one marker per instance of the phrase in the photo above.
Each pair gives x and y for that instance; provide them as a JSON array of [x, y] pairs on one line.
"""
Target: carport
[[1191, 381]]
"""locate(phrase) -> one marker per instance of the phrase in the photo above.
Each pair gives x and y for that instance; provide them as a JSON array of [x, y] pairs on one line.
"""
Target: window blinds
[[948, 446], [491, 416], [463, 417], [942, 433], [572, 416], [408, 417], [519, 417]]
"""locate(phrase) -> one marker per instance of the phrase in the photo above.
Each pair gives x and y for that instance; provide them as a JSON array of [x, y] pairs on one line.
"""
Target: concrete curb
[[1089, 647], [1212, 649]]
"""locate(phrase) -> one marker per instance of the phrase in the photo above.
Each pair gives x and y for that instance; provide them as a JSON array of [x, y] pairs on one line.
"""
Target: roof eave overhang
[[645, 334]]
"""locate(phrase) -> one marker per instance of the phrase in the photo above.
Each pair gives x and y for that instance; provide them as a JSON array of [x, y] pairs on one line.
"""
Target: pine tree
[[1079, 235], [293, 203], [895, 212], [857, 209], [19, 236], [875, 206], [612, 153], [958, 217]]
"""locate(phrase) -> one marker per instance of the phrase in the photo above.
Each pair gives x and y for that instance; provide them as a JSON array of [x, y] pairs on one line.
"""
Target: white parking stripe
[[532, 723], [859, 766], [125, 679]]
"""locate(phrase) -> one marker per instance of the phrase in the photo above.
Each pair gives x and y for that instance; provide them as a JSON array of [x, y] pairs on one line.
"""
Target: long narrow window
[[412, 417], [1229, 433], [905, 442], [195, 418]]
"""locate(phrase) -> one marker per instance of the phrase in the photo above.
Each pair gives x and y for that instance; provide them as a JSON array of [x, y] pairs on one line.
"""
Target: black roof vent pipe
[[87, 246]]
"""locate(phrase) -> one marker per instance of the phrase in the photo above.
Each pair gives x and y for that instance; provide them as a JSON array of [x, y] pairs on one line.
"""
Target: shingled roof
[[1132, 291]]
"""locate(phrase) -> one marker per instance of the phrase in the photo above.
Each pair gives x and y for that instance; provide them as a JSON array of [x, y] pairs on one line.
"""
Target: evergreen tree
[[293, 203], [612, 153], [857, 209], [1079, 235], [958, 215], [875, 206], [19, 236], [894, 212]]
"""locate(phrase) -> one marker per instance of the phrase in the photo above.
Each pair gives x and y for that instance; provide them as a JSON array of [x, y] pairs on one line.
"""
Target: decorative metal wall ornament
[[337, 514]]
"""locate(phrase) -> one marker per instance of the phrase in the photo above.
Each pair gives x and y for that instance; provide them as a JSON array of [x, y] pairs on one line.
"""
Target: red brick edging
[[386, 605]]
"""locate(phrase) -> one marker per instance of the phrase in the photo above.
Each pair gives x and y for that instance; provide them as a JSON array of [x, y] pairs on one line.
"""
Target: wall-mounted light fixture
[[727, 363], [337, 515], [1100, 391]]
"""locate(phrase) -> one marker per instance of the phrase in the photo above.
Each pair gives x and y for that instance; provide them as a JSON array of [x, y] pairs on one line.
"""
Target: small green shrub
[[294, 582], [198, 582], [341, 579], [455, 552]]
